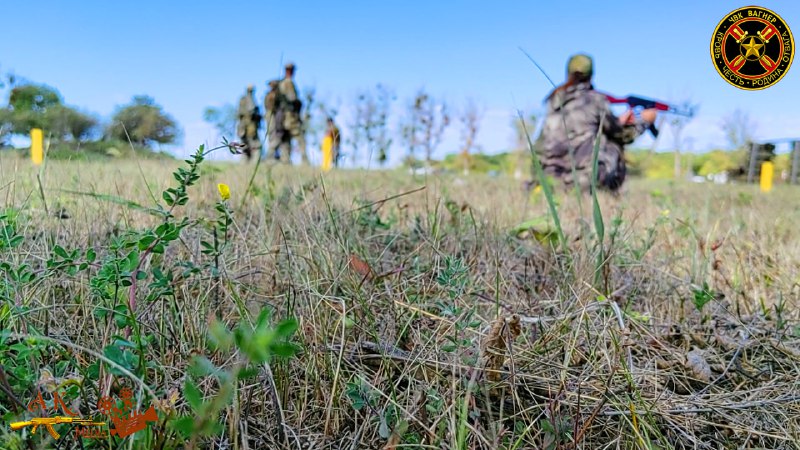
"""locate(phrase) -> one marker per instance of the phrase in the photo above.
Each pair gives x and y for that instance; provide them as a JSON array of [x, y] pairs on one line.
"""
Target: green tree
[[144, 123], [33, 97], [39, 106], [30, 106], [67, 122]]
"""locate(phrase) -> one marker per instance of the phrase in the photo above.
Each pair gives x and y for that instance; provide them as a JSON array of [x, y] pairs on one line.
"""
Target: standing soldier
[[249, 117], [274, 119], [292, 122]]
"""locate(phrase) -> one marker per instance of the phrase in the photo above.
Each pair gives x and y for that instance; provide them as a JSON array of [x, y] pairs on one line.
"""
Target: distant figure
[[574, 113], [249, 117], [274, 119], [330, 146], [336, 139], [290, 106]]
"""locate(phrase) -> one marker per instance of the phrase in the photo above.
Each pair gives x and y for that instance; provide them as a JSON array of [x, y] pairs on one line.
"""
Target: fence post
[[37, 153], [766, 176], [795, 162]]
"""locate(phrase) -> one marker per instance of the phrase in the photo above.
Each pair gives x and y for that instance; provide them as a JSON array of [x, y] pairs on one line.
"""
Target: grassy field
[[380, 310]]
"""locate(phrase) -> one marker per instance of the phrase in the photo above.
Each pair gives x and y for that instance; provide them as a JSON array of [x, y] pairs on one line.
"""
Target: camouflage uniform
[[249, 117], [574, 115], [274, 113], [289, 107]]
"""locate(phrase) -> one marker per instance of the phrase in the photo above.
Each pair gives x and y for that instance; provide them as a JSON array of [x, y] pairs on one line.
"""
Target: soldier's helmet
[[289, 66], [580, 63], [250, 88], [272, 84]]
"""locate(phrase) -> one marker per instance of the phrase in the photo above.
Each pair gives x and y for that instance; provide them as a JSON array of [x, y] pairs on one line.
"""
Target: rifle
[[636, 102], [48, 422]]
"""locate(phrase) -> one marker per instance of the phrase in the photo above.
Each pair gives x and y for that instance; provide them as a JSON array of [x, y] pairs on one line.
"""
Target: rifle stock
[[20, 425]]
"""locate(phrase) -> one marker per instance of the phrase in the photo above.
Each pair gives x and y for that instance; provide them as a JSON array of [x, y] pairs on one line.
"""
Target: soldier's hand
[[649, 115], [627, 118]]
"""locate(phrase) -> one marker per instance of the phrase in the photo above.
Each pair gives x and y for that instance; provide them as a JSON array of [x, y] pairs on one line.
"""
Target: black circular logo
[[752, 48]]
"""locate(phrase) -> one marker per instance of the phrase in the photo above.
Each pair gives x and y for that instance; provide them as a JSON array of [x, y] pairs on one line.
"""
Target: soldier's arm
[[623, 134]]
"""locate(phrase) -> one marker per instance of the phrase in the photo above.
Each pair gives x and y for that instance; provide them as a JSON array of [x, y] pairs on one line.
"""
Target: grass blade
[[546, 188], [119, 201], [599, 226]]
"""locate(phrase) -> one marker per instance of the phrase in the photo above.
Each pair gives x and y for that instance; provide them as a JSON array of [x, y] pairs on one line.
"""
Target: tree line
[[142, 122]]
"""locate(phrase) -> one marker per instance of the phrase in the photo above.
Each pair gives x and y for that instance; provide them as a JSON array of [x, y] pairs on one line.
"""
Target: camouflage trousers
[[611, 169], [280, 142], [248, 135]]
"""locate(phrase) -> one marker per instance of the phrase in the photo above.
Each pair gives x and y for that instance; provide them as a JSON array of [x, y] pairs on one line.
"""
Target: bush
[[144, 123]]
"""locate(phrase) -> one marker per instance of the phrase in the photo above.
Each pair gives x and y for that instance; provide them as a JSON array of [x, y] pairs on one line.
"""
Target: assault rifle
[[638, 103], [48, 422]]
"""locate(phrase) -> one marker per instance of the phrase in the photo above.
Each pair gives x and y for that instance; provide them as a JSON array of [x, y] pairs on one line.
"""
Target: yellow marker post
[[766, 176], [327, 153], [37, 149]]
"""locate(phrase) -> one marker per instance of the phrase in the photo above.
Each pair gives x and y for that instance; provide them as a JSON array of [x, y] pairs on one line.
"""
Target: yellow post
[[766, 176], [37, 152]]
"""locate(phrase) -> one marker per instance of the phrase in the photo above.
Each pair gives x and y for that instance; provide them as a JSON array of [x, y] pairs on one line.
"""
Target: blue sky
[[189, 55]]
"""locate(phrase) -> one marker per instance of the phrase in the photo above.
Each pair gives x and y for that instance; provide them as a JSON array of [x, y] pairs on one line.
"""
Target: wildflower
[[665, 213], [224, 191], [537, 189]]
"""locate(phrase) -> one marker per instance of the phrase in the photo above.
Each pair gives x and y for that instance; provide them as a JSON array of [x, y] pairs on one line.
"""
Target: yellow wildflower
[[224, 191]]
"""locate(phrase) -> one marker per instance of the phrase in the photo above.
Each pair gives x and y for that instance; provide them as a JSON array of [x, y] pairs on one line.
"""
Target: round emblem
[[752, 48]]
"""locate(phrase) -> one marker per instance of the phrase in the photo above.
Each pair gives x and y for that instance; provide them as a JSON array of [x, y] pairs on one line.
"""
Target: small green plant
[[702, 297], [252, 346]]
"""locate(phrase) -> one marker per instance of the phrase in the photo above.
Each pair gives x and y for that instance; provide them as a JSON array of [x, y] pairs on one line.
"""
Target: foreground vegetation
[[380, 310]]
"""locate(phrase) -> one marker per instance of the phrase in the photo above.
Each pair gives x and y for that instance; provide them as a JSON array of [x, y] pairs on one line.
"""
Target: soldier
[[249, 117], [574, 114], [274, 119], [292, 122]]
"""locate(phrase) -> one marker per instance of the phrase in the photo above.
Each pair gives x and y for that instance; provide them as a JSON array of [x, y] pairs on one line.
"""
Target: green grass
[[351, 310]]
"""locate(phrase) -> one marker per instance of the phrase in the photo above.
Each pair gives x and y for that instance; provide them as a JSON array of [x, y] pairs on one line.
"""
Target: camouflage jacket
[[290, 100], [248, 110], [573, 119]]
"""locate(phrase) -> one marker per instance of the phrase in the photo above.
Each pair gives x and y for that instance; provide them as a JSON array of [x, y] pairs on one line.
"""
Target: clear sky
[[189, 55]]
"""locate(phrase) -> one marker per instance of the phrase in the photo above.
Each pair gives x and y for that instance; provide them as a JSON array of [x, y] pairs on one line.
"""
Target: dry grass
[[447, 290]]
